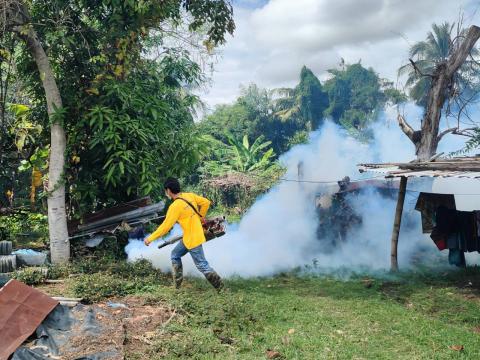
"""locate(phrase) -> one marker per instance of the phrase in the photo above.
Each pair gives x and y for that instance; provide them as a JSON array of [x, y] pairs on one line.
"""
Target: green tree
[[306, 102], [355, 94], [243, 117], [278, 115], [139, 131], [90, 43]]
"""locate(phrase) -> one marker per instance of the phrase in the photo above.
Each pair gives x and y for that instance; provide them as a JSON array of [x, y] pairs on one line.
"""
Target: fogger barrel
[[213, 228]]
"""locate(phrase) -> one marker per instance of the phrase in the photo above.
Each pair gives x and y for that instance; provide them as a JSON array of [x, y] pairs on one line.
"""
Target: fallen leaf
[[339, 332], [477, 329], [272, 354], [286, 340], [291, 331], [456, 347], [409, 305]]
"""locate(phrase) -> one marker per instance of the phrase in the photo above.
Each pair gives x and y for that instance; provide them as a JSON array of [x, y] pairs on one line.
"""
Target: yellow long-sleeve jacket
[[179, 211]]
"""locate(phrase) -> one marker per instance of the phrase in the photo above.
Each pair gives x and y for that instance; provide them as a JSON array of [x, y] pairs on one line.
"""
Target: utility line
[[329, 182], [351, 181]]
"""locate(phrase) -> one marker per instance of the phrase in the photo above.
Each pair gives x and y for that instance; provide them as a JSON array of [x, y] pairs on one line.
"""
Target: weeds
[[414, 315], [101, 280]]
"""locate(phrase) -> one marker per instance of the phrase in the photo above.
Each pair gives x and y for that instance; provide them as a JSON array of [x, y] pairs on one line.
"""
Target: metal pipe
[[145, 211]]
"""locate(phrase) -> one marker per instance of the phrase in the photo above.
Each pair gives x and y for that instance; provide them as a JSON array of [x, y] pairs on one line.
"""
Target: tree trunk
[[57, 217], [426, 140], [427, 145]]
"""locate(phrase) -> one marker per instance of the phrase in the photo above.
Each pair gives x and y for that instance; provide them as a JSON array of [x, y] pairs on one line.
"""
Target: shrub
[[31, 275], [117, 279], [96, 287]]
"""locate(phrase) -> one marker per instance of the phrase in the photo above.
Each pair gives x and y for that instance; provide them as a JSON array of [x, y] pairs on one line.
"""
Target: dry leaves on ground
[[456, 347], [272, 354]]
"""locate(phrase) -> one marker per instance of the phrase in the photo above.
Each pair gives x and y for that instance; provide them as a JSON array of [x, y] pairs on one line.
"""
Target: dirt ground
[[128, 326], [125, 330]]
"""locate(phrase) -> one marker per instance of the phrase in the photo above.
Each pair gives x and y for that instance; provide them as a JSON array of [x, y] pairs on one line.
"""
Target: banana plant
[[246, 157]]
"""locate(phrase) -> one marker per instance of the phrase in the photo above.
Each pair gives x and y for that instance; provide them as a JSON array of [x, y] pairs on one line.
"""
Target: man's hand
[[146, 242], [203, 220]]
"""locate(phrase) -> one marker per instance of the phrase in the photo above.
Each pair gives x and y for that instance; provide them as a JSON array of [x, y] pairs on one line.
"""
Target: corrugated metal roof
[[459, 167], [395, 171]]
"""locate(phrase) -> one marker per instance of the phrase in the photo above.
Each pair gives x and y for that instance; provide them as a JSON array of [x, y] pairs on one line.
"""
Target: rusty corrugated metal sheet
[[22, 310]]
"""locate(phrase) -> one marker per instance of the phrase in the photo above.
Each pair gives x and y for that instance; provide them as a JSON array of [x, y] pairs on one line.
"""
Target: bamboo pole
[[397, 222]]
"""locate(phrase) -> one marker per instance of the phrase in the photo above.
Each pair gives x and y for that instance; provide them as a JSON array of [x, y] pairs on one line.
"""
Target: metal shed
[[456, 167]]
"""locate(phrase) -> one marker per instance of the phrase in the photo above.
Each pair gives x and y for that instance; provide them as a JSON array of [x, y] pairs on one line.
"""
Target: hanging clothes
[[446, 224], [477, 225], [428, 203], [468, 231], [477, 215]]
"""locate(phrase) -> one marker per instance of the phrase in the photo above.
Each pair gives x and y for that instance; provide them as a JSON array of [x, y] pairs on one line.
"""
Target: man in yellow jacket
[[189, 210]]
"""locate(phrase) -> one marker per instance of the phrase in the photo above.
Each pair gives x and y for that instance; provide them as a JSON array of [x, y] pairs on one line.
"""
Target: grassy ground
[[423, 315]]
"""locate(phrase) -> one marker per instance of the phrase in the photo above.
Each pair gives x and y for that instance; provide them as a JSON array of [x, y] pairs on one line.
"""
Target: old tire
[[6, 247], [8, 263]]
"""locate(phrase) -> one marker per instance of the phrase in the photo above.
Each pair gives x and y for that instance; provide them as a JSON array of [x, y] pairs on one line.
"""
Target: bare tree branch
[[417, 70], [445, 132], [465, 132], [456, 131], [407, 129], [463, 103]]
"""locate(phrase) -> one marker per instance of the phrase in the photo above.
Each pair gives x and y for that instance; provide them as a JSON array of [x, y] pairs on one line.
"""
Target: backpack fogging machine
[[212, 228]]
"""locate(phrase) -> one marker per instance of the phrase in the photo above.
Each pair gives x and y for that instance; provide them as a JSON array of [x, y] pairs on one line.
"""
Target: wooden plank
[[442, 166]]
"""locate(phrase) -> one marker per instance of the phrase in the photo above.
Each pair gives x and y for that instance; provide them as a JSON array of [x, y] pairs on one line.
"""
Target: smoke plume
[[279, 232]]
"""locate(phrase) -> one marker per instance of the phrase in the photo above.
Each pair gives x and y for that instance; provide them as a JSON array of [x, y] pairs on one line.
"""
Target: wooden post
[[397, 222]]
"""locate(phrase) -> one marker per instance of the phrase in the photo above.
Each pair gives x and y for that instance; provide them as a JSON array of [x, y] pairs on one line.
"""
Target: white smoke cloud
[[278, 233]]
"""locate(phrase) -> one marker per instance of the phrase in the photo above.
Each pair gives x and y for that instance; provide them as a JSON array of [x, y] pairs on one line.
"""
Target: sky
[[275, 38]]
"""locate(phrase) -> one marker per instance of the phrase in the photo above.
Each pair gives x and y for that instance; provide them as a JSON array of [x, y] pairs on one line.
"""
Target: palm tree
[[428, 54]]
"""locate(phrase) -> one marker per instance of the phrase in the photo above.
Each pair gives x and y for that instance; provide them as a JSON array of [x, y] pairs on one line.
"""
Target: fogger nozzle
[[212, 228]]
